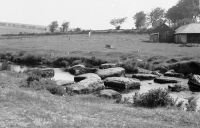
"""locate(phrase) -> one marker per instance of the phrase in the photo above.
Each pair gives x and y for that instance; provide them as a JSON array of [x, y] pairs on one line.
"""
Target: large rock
[[172, 73], [111, 72], [80, 69], [163, 80], [86, 76], [121, 83], [178, 88], [144, 76], [109, 93], [179, 102], [43, 73], [86, 86], [187, 67], [194, 104], [108, 65], [194, 83]]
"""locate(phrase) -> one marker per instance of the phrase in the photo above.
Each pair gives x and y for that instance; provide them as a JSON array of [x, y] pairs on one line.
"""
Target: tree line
[[184, 12]]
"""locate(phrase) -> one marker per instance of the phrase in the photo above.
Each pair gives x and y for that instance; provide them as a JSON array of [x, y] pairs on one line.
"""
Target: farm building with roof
[[162, 33], [189, 33]]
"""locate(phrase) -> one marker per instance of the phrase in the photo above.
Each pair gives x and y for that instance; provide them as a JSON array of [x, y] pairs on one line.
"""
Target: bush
[[55, 89], [153, 98], [37, 83]]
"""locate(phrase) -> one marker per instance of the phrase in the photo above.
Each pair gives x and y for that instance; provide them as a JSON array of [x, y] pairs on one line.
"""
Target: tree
[[53, 26], [65, 27], [156, 15], [185, 9], [140, 19], [118, 22]]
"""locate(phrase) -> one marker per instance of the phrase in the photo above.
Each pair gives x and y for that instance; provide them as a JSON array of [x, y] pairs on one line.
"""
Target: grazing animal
[[108, 46]]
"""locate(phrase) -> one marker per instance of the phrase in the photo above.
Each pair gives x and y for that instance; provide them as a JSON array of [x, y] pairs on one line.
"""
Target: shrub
[[37, 83], [55, 89], [130, 66], [153, 98]]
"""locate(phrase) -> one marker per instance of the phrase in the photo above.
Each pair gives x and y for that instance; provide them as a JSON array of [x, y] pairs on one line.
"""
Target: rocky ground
[[26, 99]]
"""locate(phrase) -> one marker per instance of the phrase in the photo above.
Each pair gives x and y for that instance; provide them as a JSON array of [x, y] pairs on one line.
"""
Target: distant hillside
[[16, 28]]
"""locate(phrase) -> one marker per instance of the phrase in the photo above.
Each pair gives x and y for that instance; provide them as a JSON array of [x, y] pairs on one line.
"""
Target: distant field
[[124, 45], [12, 30]]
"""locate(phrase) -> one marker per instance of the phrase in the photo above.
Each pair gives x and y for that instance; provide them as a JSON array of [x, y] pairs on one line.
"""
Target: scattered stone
[[108, 65], [86, 76], [86, 86], [178, 88], [162, 80], [109, 93], [172, 73], [81, 69], [144, 76], [121, 83], [111, 72], [194, 83], [142, 71]]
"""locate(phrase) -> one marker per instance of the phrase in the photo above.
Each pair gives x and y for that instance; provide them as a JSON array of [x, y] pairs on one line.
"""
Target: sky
[[86, 14]]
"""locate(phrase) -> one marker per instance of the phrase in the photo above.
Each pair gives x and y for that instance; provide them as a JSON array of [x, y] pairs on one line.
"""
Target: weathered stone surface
[[64, 83], [178, 88], [86, 76], [109, 93], [121, 83], [194, 83], [186, 67], [144, 76], [179, 102], [163, 80], [81, 69], [142, 71], [172, 73], [111, 72], [194, 104], [86, 86], [43, 73], [108, 65]]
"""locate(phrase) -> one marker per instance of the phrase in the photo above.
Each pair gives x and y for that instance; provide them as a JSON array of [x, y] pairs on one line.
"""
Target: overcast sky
[[87, 14]]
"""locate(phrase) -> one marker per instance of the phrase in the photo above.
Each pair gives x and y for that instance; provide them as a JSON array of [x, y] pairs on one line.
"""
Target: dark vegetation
[[153, 98], [25, 58], [36, 82]]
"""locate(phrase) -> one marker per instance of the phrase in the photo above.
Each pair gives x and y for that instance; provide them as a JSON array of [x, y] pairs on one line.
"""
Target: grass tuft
[[153, 98]]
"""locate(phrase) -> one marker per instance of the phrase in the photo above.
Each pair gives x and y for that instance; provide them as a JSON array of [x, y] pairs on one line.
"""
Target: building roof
[[161, 28], [189, 28]]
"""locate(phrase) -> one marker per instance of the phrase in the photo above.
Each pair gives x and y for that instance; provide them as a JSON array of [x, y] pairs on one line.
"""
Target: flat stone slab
[[144, 76], [121, 83], [86, 76], [111, 72], [86, 86], [163, 80]]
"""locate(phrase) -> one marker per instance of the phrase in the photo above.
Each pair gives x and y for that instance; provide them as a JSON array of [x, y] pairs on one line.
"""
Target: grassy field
[[25, 108], [22, 107], [125, 45]]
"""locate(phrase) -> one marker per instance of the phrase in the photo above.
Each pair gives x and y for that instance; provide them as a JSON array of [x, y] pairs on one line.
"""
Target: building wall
[[181, 38]]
